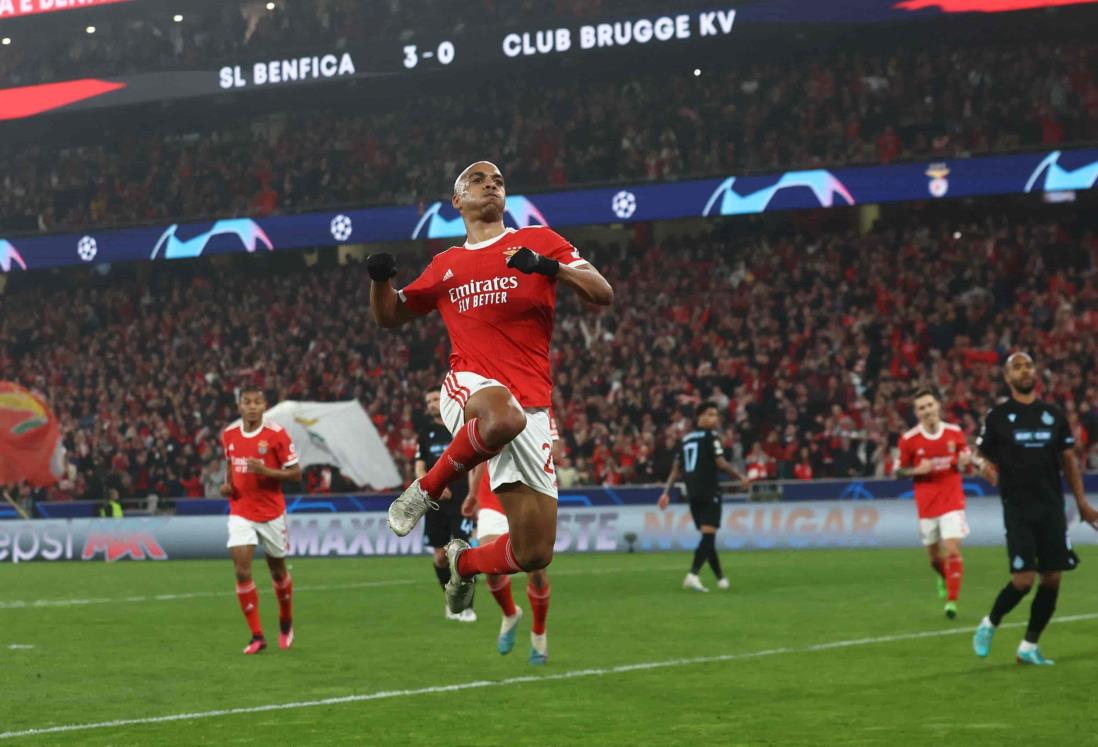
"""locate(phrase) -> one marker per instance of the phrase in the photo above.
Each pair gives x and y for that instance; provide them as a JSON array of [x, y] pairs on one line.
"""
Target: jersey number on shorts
[[691, 453], [548, 460]]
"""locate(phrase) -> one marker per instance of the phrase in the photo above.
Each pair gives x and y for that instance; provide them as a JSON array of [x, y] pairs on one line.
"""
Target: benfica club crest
[[262, 448], [952, 446]]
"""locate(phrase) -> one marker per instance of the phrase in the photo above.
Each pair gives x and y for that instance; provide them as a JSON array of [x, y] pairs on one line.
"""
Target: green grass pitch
[[811, 647]]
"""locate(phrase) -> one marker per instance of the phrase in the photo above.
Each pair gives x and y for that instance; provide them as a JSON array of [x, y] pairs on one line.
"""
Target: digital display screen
[[20, 8]]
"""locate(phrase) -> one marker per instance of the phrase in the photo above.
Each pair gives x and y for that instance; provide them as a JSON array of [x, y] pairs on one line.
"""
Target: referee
[[1024, 445], [698, 458], [447, 523]]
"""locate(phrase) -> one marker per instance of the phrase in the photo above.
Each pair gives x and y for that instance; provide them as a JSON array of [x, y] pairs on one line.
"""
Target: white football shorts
[[491, 523], [528, 459], [273, 536], [951, 525]]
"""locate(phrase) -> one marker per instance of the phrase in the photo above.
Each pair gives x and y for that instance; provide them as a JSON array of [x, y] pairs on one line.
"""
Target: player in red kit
[[933, 454], [492, 524], [496, 295], [260, 457]]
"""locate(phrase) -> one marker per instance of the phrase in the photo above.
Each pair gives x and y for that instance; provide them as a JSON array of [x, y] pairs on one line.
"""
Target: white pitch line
[[480, 684], [19, 604]]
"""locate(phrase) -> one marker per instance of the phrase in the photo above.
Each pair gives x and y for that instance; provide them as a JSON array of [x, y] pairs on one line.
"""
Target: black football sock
[[1040, 612], [701, 552], [714, 559], [443, 574], [1006, 601]]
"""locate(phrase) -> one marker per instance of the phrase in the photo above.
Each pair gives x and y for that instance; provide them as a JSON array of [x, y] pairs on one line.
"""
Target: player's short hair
[[924, 391], [705, 406], [464, 175], [250, 388]]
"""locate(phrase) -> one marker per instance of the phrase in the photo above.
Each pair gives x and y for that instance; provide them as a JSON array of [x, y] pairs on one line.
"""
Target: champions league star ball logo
[[10, 257], [245, 229], [939, 185], [341, 228], [624, 204], [518, 211], [86, 248], [823, 185]]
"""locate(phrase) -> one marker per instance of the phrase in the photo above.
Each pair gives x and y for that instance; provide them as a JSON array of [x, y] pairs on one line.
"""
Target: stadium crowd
[[810, 344], [853, 107]]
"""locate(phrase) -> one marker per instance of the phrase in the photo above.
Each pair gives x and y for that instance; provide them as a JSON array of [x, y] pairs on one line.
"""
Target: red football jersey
[[939, 491], [255, 497], [500, 320]]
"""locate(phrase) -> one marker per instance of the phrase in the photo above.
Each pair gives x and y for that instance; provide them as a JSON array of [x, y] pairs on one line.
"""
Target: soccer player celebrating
[[260, 457], [1024, 445], [933, 453], [496, 294], [699, 456], [492, 524], [447, 523]]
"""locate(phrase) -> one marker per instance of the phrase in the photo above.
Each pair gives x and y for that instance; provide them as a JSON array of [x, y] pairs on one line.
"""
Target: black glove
[[381, 267], [525, 260]]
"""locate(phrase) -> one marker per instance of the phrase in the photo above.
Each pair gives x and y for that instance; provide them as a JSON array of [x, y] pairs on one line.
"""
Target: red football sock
[[939, 567], [955, 568], [249, 605], [539, 603], [464, 452], [497, 558], [284, 592], [501, 591]]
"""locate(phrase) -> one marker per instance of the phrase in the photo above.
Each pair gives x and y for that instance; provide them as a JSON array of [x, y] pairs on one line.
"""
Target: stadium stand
[[810, 341]]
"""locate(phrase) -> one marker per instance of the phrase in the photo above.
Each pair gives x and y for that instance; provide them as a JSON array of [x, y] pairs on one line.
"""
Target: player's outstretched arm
[[1087, 513], [385, 304]]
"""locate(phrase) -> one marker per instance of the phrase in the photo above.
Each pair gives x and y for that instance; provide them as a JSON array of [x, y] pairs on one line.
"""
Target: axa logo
[[10, 257], [245, 229], [518, 211], [824, 186], [137, 546], [1057, 178]]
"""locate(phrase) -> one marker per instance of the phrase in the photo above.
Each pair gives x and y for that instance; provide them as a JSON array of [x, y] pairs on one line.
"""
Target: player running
[[492, 524], [447, 523], [1024, 445], [497, 295], [933, 453], [699, 457], [260, 457]]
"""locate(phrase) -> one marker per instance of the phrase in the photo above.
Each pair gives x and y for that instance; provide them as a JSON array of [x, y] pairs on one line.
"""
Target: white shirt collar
[[254, 433], [489, 242], [934, 437]]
